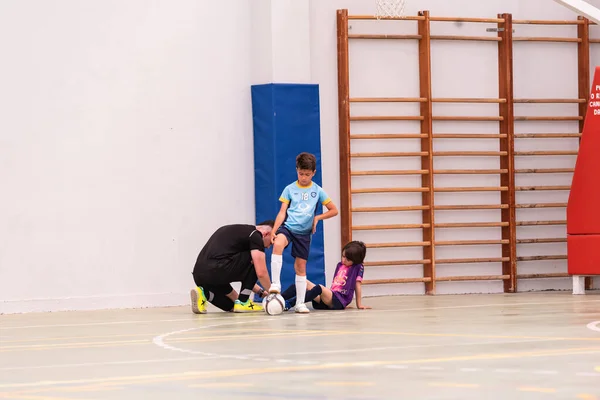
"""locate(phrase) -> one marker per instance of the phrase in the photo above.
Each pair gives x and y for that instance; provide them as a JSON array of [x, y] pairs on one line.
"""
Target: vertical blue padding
[[286, 122]]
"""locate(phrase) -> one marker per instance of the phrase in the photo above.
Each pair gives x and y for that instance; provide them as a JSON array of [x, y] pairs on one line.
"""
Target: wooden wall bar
[[507, 172]]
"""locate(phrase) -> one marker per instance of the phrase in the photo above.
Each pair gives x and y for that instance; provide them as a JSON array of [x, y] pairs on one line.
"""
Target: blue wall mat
[[286, 121]]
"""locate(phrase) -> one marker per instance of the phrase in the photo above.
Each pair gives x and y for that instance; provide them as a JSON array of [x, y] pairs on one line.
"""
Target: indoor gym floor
[[524, 346]]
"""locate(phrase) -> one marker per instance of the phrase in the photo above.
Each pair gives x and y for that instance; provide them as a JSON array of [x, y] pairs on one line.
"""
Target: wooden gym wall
[[417, 205]]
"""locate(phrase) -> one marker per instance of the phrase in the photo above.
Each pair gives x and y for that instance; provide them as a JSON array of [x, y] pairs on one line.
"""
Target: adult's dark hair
[[306, 161], [355, 251], [268, 222]]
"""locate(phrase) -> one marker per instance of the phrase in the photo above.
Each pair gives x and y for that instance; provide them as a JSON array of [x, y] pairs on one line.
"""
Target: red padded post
[[583, 208]]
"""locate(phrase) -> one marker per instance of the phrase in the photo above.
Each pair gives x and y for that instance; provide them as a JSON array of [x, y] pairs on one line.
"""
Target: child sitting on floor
[[347, 280]]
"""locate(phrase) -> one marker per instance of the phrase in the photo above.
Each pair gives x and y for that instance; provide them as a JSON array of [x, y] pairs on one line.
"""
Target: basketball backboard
[[582, 8]]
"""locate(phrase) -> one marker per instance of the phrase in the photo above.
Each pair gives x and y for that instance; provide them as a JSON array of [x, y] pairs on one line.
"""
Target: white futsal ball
[[273, 304]]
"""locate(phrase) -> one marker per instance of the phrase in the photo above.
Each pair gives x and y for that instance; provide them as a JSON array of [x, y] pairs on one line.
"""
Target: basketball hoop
[[390, 8]]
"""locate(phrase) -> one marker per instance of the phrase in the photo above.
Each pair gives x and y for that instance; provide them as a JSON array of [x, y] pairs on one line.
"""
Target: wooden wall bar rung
[[546, 39], [549, 118], [395, 172], [545, 153], [469, 242], [546, 135], [542, 276], [388, 190], [465, 118], [549, 101], [374, 17], [470, 260], [398, 244], [473, 278], [387, 100], [470, 171], [467, 100], [544, 170], [473, 38], [470, 189], [387, 227], [379, 155], [387, 118], [469, 153], [542, 240], [458, 19], [374, 136], [389, 281], [470, 224], [469, 135], [541, 205], [471, 207], [415, 37], [594, 41], [531, 188], [396, 263], [538, 258], [390, 209], [541, 223], [546, 22]]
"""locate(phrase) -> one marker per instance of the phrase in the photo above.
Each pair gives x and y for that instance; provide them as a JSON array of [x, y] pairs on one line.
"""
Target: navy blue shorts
[[300, 243], [336, 305]]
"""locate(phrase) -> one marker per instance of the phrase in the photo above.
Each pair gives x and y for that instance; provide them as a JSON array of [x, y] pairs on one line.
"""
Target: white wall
[[126, 124], [459, 69], [124, 127]]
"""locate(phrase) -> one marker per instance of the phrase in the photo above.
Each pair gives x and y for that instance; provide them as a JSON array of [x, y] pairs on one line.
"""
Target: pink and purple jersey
[[344, 282]]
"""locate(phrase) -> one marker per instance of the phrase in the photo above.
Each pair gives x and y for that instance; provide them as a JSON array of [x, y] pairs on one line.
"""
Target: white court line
[[325, 313], [594, 326], [159, 340]]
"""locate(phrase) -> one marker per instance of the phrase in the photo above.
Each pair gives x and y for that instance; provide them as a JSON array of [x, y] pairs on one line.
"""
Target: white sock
[[300, 289], [276, 264]]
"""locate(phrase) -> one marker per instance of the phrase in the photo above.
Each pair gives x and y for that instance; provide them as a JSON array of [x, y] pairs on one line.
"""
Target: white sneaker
[[302, 309], [275, 288]]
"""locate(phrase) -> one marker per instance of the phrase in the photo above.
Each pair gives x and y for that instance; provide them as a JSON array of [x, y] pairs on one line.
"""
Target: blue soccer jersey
[[302, 201]]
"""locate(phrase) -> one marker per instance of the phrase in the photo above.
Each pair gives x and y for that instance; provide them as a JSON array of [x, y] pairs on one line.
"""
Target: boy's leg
[[312, 293], [326, 296], [301, 283], [281, 242], [300, 251], [289, 293]]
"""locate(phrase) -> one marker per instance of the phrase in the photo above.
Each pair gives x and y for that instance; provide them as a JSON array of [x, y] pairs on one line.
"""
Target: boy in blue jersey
[[295, 224]]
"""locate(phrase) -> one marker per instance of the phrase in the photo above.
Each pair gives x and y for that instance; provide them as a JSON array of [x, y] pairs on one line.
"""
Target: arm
[[358, 293], [279, 220], [260, 266], [332, 211], [259, 291]]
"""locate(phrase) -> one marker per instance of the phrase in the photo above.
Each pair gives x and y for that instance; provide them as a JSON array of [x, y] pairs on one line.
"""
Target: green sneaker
[[248, 306], [198, 301]]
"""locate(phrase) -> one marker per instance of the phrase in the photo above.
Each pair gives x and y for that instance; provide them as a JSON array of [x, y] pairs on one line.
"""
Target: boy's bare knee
[[300, 266], [280, 243]]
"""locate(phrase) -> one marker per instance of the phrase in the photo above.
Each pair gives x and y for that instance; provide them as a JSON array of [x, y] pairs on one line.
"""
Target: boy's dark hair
[[268, 222], [355, 251], [306, 161]]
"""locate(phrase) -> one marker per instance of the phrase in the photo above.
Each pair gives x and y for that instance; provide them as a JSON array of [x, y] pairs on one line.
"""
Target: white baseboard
[[101, 302]]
